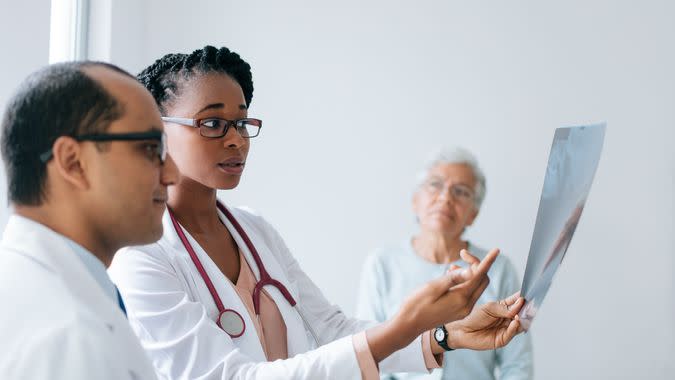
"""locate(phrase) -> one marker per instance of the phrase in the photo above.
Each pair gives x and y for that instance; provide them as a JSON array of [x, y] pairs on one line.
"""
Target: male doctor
[[87, 174]]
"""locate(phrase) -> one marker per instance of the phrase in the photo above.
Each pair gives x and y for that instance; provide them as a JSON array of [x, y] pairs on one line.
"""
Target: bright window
[[68, 30]]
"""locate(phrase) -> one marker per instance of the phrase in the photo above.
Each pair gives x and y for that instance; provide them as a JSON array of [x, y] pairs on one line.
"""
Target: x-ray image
[[571, 167]]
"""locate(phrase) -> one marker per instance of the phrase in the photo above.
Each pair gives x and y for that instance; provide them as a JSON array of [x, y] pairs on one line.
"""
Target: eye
[[462, 192], [435, 185], [212, 123], [151, 150]]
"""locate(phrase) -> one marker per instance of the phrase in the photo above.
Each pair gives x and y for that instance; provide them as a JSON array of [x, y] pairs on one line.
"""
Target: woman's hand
[[448, 298], [441, 301], [488, 327]]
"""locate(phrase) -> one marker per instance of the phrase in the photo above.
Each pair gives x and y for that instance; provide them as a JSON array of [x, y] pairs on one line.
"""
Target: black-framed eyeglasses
[[214, 127], [159, 149]]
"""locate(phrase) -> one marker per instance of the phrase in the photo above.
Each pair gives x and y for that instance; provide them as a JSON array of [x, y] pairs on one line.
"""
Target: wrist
[[402, 332], [386, 338], [436, 349], [405, 329], [453, 341], [440, 336]]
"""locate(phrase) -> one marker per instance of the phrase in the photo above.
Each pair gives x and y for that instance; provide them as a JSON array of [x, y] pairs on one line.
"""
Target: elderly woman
[[446, 202]]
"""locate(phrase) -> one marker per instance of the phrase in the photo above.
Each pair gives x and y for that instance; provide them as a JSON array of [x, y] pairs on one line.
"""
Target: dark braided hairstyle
[[164, 77]]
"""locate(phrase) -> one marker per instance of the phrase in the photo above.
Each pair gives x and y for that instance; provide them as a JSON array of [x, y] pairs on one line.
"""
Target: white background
[[354, 94], [24, 40]]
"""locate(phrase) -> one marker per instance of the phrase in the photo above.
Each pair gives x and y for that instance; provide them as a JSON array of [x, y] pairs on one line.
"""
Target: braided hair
[[164, 77]]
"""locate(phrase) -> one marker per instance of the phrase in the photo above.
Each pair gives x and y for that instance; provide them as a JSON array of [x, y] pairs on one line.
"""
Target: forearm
[[388, 337]]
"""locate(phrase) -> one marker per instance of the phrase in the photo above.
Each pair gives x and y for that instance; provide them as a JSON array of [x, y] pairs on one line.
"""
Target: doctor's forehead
[[140, 112]]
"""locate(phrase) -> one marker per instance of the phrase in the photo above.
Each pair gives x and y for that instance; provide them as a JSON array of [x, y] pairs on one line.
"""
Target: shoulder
[[138, 255], [57, 314], [139, 267], [252, 219], [258, 227], [389, 257], [23, 280]]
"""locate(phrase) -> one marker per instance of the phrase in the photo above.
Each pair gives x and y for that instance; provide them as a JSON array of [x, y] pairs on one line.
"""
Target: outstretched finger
[[468, 257], [487, 262], [475, 276]]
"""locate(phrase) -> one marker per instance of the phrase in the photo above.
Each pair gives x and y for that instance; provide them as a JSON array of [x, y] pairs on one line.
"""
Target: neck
[[75, 226], [438, 248], [194, 206]]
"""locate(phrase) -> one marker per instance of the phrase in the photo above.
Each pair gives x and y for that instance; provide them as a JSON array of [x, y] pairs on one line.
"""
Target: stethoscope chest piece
[[232, 323]]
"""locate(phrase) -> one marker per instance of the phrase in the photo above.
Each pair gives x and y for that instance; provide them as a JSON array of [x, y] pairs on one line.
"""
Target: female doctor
[[221, 297]]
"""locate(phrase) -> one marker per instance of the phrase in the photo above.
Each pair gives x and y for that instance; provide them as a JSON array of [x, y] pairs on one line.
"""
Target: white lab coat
[[56, 321], [173, 313]]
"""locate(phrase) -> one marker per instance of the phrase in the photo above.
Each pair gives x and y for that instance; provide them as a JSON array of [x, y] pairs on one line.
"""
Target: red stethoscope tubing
[[265, 278]]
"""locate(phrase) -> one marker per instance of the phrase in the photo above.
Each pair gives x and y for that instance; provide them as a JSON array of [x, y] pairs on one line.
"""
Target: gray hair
[[457, 155]]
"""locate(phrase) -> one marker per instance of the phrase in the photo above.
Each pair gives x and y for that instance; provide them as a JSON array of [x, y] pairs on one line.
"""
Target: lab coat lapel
[[249, 342], [297, 338]]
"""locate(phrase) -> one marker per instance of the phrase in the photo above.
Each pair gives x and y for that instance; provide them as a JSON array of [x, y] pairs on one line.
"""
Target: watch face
[[439, 335]]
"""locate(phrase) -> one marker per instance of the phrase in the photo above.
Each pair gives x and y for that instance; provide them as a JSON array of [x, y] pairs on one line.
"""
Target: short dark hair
[[163, 78], [57, 100]]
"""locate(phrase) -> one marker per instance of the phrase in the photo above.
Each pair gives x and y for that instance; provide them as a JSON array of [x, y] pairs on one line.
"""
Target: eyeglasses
[[214, 127], [460, 193], [159, 150]]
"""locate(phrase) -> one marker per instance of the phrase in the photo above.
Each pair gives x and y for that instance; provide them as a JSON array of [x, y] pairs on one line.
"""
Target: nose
[[446, 194], [233, 138], [169, 172]]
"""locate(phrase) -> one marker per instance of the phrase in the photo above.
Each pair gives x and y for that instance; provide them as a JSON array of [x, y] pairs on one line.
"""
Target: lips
[[160, 198], [443, 213], [233, 165]]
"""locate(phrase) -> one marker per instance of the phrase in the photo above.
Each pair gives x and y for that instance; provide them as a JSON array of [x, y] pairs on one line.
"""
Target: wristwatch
[[441, 336]]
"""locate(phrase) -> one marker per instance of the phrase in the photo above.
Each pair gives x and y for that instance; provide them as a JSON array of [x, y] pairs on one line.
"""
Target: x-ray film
[[571, 167]]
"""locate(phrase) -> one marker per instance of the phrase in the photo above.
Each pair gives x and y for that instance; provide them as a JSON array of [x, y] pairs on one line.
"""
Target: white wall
[[354, 94], [24, 38]]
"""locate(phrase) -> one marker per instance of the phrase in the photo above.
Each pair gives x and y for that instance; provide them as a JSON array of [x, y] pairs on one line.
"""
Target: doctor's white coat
[[56, 322], [173, 313]]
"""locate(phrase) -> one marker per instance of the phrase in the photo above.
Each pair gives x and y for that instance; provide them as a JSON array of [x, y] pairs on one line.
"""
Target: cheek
[[188, 151], [245, 148], [421, 205], [139, 184], [464, 213]]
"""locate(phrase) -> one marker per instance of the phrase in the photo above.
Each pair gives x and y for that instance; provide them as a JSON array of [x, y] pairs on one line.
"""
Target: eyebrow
[[438, 178], [219, 106]]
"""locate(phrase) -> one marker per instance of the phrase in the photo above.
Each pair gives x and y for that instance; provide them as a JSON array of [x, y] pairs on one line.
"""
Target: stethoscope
[[230, 320]]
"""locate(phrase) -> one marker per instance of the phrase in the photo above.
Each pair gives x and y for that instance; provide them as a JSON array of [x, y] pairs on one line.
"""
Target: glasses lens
[[434, 186], [461, 193], [249, 128], [212, 127]]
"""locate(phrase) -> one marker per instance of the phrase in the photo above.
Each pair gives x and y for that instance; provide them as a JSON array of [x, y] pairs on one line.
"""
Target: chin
[[228, 183], [440, 227], [151, 236]]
